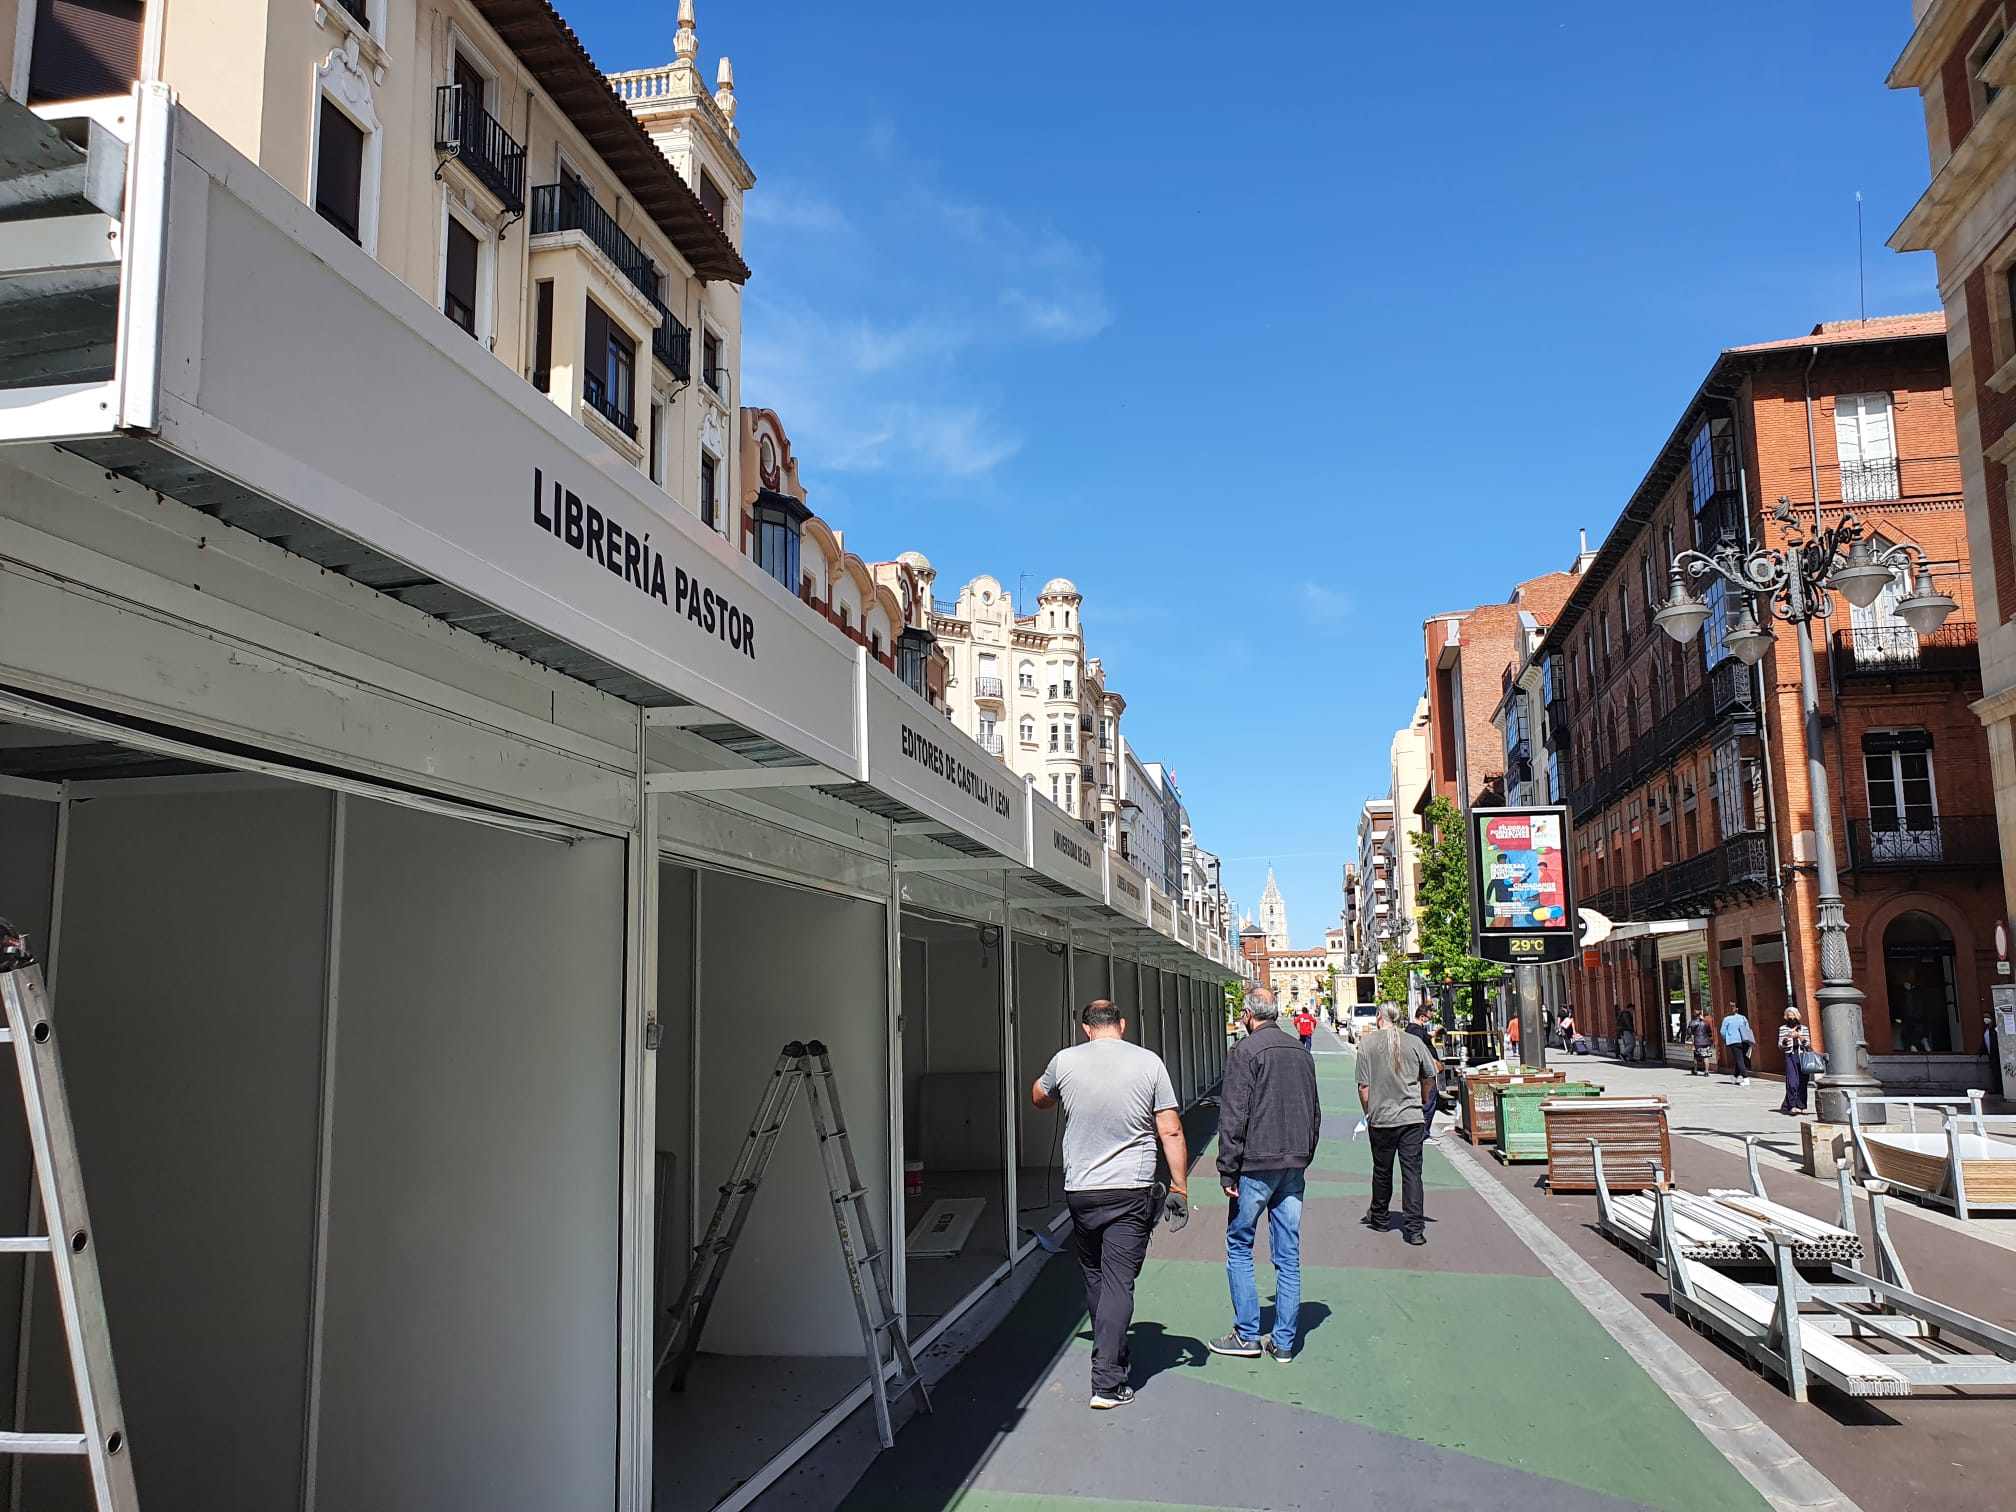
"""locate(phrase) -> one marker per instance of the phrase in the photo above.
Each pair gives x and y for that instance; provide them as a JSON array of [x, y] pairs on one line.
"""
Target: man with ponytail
[[1396, 1077]]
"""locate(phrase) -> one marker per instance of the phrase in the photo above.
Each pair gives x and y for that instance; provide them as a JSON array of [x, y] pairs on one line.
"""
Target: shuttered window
[[542, 336], [339, 171], [458, 298], [712, 200], [84, 48]]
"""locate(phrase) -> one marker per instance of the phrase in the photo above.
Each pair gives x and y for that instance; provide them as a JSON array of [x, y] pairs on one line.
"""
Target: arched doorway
[[1924, 1007]]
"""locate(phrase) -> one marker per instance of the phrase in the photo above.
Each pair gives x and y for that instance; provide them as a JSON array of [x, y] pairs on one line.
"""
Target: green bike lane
[[1449, 1376]]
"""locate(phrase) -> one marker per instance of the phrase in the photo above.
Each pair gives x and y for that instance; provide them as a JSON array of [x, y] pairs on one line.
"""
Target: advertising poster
[[1519, 885]]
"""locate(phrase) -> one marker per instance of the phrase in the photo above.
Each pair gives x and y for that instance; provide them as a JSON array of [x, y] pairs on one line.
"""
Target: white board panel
[[914, 753], [470, 1355], [1061, 847]]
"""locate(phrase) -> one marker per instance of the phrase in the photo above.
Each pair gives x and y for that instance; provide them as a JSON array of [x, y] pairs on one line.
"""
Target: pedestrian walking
[[1569, 1041], [1741, 1040], [1396, 1074], [1795, 1040], [1701, 1035], [1118, 1104], [1305, 1029], [1512, 1039], [1423, 1030], [1627, 1032], [1269, 1119]]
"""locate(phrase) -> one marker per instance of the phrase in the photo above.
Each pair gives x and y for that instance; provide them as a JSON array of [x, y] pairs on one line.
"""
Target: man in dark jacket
[[1422, 1029], [1268, 1121]]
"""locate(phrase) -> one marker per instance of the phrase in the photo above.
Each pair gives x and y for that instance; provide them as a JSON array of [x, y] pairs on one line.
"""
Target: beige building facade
[[1023, 686], [584, 231]]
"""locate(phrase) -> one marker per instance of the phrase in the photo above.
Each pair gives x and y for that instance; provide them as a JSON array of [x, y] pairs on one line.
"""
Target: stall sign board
[[914, 753], [1519, 885], [1063, 849], [1127, 889]]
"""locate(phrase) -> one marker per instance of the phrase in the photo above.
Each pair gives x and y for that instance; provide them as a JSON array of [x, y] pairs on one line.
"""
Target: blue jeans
[[1279, 1195]]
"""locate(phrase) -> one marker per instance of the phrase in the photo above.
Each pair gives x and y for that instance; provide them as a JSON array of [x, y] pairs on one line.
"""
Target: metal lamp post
[[1794, 585]]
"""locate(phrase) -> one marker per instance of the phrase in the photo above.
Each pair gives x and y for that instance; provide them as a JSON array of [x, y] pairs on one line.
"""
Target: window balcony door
[[1903, 809]]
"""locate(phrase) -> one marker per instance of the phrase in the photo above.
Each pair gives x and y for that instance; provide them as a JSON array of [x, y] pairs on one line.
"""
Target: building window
[[1025, 676], [1977, 63], [654, 457], [710, 361], [1903, 808], [83, 48], [542, 337], [1056, 736], [1054, 794], [609, 370], [458, 281], [709, 511], [1028, 730], [1866, 438], [779, 522], [712, 200], [339, 171]]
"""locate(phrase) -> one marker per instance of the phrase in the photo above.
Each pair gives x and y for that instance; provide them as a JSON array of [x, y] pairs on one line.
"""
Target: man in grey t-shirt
[[1396, 1076], [1118, 1104]]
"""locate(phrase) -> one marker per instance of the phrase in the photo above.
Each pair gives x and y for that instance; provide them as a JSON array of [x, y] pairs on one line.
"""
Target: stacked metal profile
[[1729, 1228]]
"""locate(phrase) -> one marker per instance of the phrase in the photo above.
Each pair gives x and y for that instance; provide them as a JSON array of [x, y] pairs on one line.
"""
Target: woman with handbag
[[1795, 1042]]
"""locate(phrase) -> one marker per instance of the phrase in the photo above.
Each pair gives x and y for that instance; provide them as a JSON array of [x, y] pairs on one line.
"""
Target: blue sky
[[1280, 327]]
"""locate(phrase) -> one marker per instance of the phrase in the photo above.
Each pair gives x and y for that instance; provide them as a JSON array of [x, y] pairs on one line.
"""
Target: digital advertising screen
[[1519, 884]]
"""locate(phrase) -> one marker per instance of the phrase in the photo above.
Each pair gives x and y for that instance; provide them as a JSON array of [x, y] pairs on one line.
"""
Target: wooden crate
[[1632, 1131], [1477, 1100]]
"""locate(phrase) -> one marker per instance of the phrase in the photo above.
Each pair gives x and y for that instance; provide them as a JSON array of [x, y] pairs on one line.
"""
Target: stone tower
[[1274, 915]]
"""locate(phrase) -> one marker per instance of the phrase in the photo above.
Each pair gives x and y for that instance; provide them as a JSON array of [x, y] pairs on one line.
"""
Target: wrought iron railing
[[1927, 840], [595, 393], [1731, 688], [987, 687], [1685, 721], [1869, 482], [1882, 650], [992, 743], [672, 343], [568, 207], [472, 137], [1746, 862]]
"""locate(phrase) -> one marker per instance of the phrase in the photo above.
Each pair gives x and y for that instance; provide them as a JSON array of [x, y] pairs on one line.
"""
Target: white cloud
[[870, 330], [1322, 603]]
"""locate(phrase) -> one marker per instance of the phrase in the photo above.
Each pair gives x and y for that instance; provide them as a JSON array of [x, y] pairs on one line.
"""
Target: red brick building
[[1960, 61], [1468, 654], [1686, 770], [1253, 946]]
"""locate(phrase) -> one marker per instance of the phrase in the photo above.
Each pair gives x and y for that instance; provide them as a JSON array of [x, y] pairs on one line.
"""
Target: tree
[[1392, 984], [1235, 998], [1444, 898]]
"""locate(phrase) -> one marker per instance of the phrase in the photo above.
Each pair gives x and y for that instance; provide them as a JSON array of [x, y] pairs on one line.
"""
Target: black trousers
[[1404, 1141], [1111, 1229], [1742, 1057]]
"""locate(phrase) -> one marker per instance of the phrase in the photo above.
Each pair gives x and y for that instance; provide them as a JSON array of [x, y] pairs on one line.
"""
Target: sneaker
[[1278, 1355], [1233, 1344], [1119, 1396], [1417, 1238]]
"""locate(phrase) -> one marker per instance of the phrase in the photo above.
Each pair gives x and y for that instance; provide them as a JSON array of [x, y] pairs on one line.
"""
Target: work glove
[[1175, 1211]]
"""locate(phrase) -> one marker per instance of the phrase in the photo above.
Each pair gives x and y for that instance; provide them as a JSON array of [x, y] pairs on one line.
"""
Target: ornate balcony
[[568, 207], [991, 743], [1897, 650], [672, 343], [1943, 840], [470, 135], [988, 688]]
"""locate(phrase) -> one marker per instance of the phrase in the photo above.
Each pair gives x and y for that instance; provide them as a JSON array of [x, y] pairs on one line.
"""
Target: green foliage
[[1392, 983], [1444, 898], [1235, 998]]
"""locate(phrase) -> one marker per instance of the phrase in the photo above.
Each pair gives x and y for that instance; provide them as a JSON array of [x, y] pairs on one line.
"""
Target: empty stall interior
[[1045, 1022], [956, 1221], [745, 966], [346, 1082]]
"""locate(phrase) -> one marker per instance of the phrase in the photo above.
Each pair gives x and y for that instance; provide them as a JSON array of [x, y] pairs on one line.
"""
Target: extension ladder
[[806, 1065], [66, 1238]]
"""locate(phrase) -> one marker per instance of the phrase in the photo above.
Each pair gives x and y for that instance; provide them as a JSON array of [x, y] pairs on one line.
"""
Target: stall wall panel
[[1126, 995], [916, 1030], [193, 984], [779, 963], [470, 1356], [1092, 977], [1041, 1030], [674, 1061], [962, 1056], [1150, 991], [27, 881]]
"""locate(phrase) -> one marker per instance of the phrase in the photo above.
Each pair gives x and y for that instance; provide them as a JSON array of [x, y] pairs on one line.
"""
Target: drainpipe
[[1758, 687], [1833, 678]]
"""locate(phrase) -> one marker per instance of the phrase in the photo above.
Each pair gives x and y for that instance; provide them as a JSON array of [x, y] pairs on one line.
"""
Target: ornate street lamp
[[1794, 585]]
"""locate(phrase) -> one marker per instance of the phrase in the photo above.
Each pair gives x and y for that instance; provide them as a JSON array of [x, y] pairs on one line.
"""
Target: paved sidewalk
[[1459, 1375]]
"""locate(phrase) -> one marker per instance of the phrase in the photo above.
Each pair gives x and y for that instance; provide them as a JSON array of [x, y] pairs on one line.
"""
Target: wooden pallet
[[1637, 1149], [1477, 1100]]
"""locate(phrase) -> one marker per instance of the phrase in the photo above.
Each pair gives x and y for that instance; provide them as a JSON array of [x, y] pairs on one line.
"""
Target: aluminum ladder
[[810, 1066], [59, 1189]]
